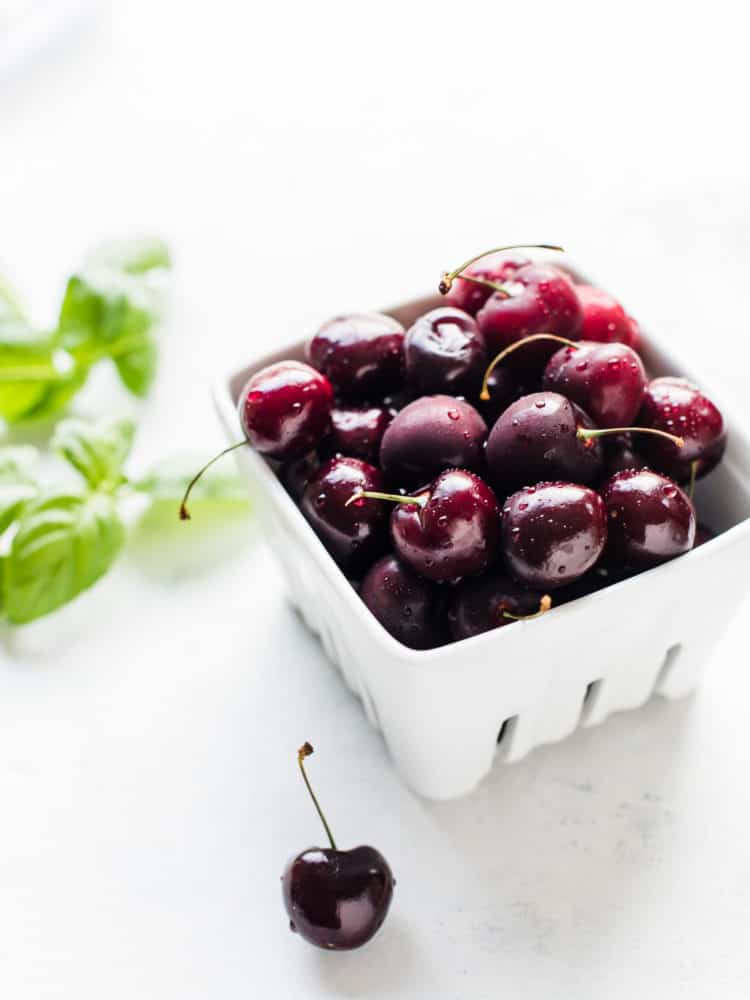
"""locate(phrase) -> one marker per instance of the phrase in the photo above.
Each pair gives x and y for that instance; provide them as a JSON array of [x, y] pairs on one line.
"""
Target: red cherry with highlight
[[362, 355], [606, 380], [403, 603], [604, 319], [444, 352], [358, 431]]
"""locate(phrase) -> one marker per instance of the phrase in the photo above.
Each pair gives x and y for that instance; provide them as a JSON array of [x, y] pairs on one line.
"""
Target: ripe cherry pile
[[505, 454]]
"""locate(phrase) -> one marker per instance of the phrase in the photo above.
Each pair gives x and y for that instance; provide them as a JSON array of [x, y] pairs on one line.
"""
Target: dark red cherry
[[448, 530], [469, 296], [553, 533], [336, 899], [444, 352], [285, 409], [493, 601], [650, 518], [362, 355], [403, 603], [358, 431], [353, 534], [606, 380], [604, 319], [678, 407], [541, 437], [539, 299], [429, 435]]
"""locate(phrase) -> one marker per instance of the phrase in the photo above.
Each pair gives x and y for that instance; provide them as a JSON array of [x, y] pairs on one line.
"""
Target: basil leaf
[[97, 450], [17, 484], [63, 545]]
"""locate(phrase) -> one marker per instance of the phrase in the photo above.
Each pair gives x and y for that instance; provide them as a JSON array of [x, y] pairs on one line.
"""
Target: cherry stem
[[485, 283], [693, 477], [392, 497], [591, 433], [184, 514], [485, 393], [545, 604], [449, 276], [304, 751]]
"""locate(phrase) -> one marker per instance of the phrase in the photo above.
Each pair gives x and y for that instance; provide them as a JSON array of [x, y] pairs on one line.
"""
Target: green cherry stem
[[392, 497], [304, 751], [545, 604], [589, 434], [485, 393], [450, 276], [184, 514]]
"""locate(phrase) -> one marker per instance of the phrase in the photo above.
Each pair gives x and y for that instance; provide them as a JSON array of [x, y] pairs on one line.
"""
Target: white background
[[303, 159]]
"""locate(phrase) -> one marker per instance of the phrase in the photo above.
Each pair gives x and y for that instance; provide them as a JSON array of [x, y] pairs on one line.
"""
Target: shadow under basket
[[447, 714]]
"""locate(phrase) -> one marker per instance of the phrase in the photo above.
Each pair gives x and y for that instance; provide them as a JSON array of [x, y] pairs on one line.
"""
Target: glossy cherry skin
[[337, 899], [431, 434], [444, 352], [353, 534], [606, 380], [604, 319], [650, 518], [536, 440], [470, 297], [478, 606], [358, 431], [362, 355], [285, 409], [542, 300], [678, 407], [553, 533], [403, 603], [455, 533]]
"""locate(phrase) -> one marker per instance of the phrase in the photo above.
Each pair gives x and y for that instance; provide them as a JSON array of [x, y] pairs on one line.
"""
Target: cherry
[[336, 899], [604, 319], [447, 530], [362, 355], [553, 533], [491, 602], [285, 409], [469, 295], [429, 435], [354, 535], [541, 437], [677, 406], [358, 431], [444, 352], [650, 518], [402, 602], [546, 436], [540, 298], [606, 380]]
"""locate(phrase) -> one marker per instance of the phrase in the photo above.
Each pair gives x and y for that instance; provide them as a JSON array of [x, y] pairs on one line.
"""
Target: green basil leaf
[[97, 450], [17, 483], [63, 545]]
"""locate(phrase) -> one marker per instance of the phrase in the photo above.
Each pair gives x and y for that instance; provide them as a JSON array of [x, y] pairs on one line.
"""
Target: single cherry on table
[[446, 531], [553, 533], [336, 899]]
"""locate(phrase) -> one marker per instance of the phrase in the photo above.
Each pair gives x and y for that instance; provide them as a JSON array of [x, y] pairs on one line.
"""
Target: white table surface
[[302, 159]]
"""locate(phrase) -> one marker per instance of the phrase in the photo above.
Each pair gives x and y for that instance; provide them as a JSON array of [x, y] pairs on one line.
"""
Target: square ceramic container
[[448, 714]]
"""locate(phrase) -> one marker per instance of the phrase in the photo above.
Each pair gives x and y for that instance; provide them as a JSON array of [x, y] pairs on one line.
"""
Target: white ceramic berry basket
[[447, 714]]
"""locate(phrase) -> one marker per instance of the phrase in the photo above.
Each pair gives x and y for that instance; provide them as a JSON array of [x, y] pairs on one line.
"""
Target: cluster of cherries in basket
[[505, 453]]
